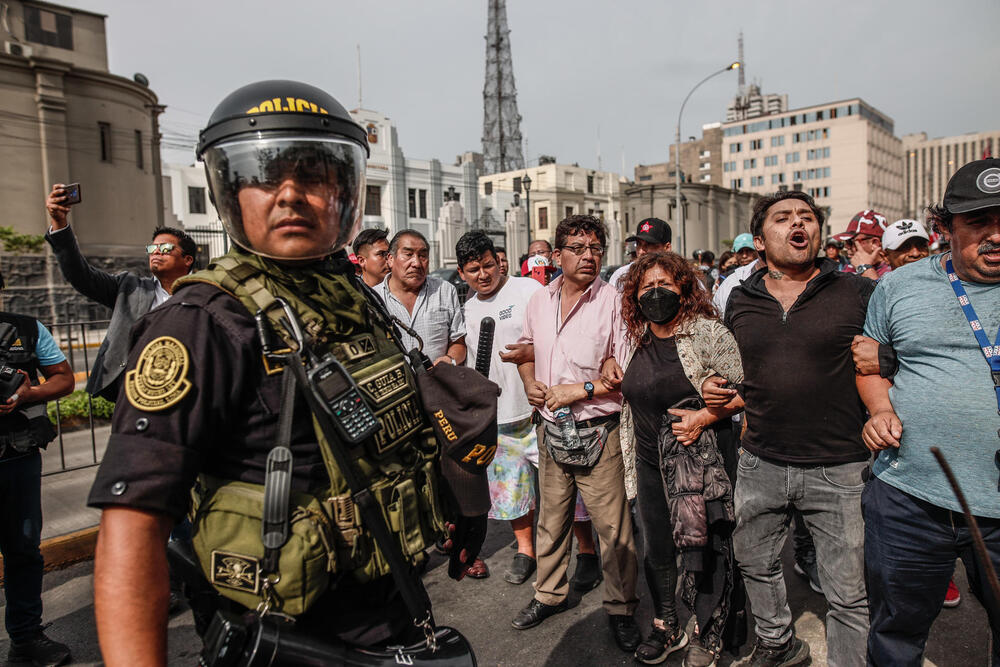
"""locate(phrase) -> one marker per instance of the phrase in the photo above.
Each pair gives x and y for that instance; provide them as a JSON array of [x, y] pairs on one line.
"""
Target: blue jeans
[[829, 498], [910, 551], [20, 536]]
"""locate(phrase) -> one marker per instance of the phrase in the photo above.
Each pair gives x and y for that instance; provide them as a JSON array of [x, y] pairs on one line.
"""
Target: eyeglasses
[[162, 248], [578, 250]]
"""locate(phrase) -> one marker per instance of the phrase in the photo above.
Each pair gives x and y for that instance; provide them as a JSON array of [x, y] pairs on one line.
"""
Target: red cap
[[867, 222]]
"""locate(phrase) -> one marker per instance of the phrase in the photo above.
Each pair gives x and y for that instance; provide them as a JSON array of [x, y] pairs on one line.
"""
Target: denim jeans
[[829, 498], [20, 536], [910, 551]]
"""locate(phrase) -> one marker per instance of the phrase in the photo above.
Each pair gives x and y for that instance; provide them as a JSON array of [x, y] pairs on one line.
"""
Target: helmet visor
[[288, 196]]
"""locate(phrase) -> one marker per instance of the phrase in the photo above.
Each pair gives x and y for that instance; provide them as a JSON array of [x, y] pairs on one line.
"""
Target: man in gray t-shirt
[[942, 395]]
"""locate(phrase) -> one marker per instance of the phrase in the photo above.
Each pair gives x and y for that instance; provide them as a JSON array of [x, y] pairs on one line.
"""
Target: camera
[[10, 380]]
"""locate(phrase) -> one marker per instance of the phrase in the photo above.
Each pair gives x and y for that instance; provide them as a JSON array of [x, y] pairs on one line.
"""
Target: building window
[[517, 184], [48, 28], [791, 157], [543, 217], [196, 200], [706, 165], [569, 211], [818, 153], [736, 183], [735, 147], [139, 162], [704, 154], [750, 164], [488, 188], [423, 204], [756, 181], [771, 161], [105, 136], [756, 144], [777, 178], [590, 184], [646, 177], [373, 200], [705, 178], [412, 197], [778, 140]]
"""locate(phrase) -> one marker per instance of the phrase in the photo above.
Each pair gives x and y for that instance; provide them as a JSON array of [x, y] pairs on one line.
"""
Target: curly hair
[[940, 217], [695, 301], [580, 224]]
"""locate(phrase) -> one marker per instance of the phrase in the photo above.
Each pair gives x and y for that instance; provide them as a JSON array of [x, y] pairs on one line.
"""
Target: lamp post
[[677, 153], [526, 184]]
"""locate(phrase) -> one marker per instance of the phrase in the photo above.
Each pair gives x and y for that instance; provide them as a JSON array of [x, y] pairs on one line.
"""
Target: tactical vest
[[329, 540], [28, 427]]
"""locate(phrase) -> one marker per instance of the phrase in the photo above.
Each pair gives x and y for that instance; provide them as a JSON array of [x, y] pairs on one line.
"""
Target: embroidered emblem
[[159, 379], [236, 571], [386, 384], [361, 347], [988, 181]]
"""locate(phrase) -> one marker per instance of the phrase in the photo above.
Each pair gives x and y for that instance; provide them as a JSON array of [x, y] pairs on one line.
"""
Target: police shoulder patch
[[159, 379]]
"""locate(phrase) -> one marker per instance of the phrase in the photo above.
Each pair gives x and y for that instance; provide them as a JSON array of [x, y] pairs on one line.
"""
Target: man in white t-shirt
[[652, 235], [515, 466]]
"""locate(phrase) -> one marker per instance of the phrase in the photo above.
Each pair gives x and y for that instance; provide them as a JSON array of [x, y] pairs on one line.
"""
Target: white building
[[931, 162]]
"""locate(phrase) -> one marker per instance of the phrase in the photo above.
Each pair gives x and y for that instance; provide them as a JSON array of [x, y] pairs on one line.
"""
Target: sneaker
[[588, 573], [809, 570], [699, 656], [793, 652], [660, 644], [39, 651], [522, 567], [952, 597]]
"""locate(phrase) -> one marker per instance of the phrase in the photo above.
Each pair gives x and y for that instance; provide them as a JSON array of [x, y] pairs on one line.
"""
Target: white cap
[[900, 231]]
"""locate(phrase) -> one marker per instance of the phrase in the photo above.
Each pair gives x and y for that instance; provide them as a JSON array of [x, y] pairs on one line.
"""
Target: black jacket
[[802, 405]]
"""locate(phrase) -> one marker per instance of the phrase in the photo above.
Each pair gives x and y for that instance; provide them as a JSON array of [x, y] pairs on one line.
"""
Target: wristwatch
[[861, 268], [589, 388]]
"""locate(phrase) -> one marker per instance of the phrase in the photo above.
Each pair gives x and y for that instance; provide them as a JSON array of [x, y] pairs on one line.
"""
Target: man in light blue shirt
[[943, 395]]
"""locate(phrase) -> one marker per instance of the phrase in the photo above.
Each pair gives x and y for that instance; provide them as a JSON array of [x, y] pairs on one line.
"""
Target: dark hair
[[580, 224], [708, 257], [394, 243], [725, 257], [939, 217], [500, 248], [695, 301], [187, 244], [367, 237], [473, 245], [767, 201]]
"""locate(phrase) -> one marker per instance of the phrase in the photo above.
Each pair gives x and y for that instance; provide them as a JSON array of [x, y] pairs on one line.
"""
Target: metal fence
[[212, 242], [79, 448]]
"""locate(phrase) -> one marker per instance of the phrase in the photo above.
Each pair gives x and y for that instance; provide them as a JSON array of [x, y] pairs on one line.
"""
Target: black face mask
[[659, 305]]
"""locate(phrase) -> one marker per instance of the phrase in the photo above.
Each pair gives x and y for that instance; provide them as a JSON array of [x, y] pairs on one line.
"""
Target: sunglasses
[[162, 248]]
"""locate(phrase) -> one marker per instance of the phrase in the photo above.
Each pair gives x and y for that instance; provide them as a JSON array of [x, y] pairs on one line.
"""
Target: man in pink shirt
[[575, 325]]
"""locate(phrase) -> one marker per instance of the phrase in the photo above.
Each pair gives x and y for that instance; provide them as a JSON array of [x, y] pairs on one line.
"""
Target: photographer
[[26, 347]]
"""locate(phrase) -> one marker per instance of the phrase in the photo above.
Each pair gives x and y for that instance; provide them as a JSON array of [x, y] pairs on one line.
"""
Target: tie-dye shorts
[[514, 472]]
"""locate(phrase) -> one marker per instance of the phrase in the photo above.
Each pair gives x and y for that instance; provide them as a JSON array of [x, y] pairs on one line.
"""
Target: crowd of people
[[707, 407]]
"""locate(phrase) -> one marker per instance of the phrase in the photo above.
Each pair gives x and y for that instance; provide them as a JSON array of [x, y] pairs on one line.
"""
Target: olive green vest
[[328, 538]]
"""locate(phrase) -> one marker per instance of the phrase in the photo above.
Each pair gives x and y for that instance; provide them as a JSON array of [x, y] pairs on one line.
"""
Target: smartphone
[[72, 192]]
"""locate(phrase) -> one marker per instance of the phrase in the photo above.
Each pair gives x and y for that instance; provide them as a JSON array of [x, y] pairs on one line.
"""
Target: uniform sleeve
[[46, 349], [877, 318], [178, 393]]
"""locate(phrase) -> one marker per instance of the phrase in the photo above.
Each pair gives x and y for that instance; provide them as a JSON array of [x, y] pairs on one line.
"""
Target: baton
[[484, 350]]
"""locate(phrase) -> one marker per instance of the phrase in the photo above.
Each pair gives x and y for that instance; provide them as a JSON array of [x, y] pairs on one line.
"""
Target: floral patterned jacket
[[705, 348]]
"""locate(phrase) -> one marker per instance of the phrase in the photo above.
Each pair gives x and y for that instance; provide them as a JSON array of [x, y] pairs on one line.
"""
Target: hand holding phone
[[71, 194]]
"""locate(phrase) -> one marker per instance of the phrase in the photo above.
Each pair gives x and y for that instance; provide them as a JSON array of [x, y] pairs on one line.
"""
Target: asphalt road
[[482, 611]]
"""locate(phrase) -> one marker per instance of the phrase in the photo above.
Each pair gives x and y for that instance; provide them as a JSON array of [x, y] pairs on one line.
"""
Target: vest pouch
[[430, 501], [227, 540]]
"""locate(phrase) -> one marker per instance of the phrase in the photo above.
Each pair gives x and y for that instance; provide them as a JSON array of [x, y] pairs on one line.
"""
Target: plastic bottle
[[567, 428]]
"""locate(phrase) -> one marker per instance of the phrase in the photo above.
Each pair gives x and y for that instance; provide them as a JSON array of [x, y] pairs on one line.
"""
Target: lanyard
[[991, 352]]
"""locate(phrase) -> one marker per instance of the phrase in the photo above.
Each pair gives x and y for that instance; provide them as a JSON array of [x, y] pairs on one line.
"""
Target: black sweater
[[802, 405]]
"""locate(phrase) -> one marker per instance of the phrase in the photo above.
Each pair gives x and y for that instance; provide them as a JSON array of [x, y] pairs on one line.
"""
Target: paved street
[[482, 611]]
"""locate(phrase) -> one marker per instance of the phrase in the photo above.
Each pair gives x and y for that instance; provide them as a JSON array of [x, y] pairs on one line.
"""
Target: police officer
[[203, 405], [28, 348]]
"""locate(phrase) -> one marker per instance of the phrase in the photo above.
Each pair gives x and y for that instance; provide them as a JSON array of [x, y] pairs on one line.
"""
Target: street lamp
[[526, 184], [677, 152]]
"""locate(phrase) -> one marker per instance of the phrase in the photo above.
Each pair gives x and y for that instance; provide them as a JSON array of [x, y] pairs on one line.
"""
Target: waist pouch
[[586, 454]]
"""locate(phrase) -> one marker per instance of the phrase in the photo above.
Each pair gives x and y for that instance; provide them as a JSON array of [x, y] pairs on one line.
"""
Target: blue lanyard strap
[[991, 352]]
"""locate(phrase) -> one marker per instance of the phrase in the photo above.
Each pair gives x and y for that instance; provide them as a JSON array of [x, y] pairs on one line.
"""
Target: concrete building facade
[[713, 215], [929, 163], [557, 191], [845, 154]]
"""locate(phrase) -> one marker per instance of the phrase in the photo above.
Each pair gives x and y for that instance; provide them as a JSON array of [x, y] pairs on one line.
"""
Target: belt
[[597, 421]]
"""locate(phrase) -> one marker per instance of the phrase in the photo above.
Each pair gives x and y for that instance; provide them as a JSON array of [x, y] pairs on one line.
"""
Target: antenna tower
[[501, 122], [743, 67]]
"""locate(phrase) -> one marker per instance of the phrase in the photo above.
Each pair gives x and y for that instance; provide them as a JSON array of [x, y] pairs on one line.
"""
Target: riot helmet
[[286, 170]]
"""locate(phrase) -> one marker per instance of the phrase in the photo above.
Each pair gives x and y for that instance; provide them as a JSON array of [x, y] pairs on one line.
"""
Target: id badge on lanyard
[[990, 352]]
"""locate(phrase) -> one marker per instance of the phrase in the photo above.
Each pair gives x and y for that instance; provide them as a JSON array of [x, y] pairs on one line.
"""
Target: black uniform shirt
[[225, 423]]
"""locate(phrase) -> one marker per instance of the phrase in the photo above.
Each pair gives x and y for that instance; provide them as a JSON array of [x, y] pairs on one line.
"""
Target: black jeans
[[20, 536], [660, 555]]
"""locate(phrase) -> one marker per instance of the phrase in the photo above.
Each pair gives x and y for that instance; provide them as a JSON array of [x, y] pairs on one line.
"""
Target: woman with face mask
[[675, 343]]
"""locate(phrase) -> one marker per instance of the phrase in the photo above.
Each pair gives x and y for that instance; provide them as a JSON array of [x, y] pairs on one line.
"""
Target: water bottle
[[567, 428]]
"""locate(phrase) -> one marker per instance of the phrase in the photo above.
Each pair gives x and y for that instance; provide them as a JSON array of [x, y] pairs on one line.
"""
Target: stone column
[[713, 231], [733, 225], [451, 222]]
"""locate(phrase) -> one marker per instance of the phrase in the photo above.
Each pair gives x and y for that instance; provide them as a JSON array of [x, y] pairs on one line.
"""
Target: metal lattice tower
[[501, 122]]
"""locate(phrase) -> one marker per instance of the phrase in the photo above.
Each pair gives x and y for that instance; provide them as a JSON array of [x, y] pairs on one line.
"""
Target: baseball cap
[[835, 242], [744, 240], [900, 231], [867, 222], [651, 230], [974, 186]]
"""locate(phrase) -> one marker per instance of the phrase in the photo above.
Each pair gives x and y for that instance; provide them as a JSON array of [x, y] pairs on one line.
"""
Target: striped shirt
[[437, 315]]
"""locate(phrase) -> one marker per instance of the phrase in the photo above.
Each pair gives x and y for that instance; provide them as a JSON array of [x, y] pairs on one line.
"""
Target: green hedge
[[76, 405]]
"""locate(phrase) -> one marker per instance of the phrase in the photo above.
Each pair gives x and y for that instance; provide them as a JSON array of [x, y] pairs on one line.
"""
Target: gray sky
[[579, 65]]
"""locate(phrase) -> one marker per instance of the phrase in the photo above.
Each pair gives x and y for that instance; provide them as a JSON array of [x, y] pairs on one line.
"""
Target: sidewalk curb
[[65, 550]]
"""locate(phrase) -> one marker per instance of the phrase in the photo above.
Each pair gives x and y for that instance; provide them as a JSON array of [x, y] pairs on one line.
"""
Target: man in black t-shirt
[[794, 320]]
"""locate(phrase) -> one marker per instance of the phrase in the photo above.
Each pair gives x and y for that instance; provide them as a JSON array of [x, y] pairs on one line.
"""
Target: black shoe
[[660, 644], [588, 573], [39, 651], [626, 632], [522, 567], [174, 605], [809, 570], [793, 652], [536, 612]]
